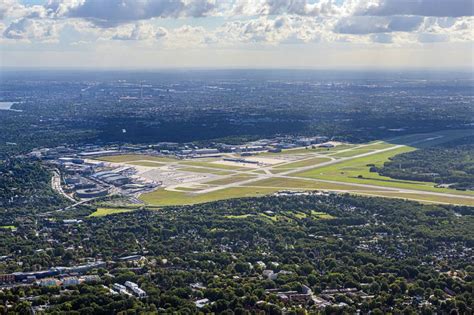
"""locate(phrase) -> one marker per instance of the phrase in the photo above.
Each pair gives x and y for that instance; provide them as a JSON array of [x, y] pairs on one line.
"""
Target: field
[[344, 168], [8, 227], [299, 184], [357, 171], [215, 165], [231, 179], [307, 162], [100, 212], [163, 197]]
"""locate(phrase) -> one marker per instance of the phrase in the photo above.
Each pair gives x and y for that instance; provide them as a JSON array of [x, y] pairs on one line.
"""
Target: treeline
[[451, 164]]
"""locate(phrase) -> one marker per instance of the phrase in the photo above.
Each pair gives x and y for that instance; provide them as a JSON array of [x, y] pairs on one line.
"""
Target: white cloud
[[32, 30], [257, 22], [377, 24], [188, 36], [138, 31], [109, 13], [439, 8], [278, 7], [13, 9], [282, 29]]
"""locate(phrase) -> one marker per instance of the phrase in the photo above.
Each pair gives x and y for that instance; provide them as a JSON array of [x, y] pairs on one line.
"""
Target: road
[[56, 185]]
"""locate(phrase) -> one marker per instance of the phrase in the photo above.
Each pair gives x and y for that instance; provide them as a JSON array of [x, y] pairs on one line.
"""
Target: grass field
[[230, 180], [321, 215], [303, 163], [135, 157], [215, 165], [290, 183], [351, 170], [187, 189], [240, 216], [163, 197], [8, 227], [100, 212]]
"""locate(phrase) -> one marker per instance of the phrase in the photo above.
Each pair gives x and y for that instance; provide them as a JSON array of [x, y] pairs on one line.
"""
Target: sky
[[303, 34]]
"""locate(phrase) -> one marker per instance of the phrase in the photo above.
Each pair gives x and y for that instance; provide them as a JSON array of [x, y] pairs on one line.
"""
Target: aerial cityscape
[[236, 157]]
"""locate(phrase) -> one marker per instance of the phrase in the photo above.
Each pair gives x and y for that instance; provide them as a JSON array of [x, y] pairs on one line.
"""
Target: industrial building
[[92, 193]]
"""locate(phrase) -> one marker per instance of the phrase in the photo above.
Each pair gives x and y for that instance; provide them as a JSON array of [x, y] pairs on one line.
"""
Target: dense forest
[[396, 256], [450, 164]]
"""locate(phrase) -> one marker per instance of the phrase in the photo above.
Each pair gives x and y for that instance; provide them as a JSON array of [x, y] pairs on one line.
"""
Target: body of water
[[8, 106]]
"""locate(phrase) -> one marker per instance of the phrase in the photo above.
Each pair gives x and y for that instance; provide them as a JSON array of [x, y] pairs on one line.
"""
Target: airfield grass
[[135, 157], [290, 183], [259, 172], [230, 180], [187, 189], [215, 165], [163, 197], [278, 171], [100, 212], [287, 183], [303, 163], [349, 172]]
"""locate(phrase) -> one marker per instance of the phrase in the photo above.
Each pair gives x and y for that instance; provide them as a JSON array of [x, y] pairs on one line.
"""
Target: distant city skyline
[[153, 34]]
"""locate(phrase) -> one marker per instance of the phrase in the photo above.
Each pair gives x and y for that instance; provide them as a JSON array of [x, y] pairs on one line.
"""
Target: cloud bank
[[232, 23]]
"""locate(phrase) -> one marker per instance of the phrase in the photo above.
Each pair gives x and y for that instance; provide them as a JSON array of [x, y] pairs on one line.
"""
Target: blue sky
[[237, 33]]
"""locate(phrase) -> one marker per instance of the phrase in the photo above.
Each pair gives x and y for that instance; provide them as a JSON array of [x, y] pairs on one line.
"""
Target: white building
[[130, 284], [139, 292], [119, 287], [201, 303]]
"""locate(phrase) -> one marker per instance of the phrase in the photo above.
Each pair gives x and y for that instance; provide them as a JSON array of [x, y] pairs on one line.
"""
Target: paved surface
[[56, 186], [286, 174]]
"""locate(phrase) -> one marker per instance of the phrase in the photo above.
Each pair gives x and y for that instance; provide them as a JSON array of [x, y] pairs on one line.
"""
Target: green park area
[[100, 212]]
